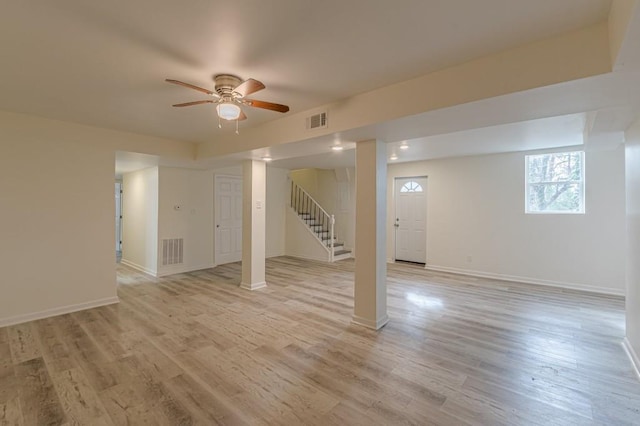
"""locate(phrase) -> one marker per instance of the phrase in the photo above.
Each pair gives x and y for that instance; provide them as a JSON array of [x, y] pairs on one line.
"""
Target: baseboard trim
[[19, 319], [318, 259], [633, 356], [182, 269], [138, 267], [270, 255], [527, 280], [374, 325], [253, 286]]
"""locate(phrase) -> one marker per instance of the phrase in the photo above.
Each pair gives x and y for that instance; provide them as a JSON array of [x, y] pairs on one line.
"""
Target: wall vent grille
[[317, 121], [172, 251]]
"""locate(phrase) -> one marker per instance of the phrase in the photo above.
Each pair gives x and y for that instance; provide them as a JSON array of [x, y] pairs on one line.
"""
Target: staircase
[[319, 222]]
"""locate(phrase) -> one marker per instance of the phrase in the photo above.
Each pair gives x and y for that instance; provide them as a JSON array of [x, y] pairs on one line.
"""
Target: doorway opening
[[118, 221], [410, 221]]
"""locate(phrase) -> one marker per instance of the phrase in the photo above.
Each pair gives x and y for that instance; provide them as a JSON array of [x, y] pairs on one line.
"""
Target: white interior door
[[228, 212], [411, 219]]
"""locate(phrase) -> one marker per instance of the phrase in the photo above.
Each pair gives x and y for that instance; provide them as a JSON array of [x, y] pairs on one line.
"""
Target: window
[[555, 183], [411, 186]]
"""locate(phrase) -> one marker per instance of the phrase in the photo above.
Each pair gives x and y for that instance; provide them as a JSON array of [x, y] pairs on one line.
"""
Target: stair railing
[[304, 204], [331, 240]]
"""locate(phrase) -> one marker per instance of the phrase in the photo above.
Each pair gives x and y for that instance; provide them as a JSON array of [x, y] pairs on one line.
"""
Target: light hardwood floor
[[196, 349]]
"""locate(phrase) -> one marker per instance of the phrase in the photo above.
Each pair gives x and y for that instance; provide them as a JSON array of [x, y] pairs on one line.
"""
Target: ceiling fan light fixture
[[228, 111], [230, 92]]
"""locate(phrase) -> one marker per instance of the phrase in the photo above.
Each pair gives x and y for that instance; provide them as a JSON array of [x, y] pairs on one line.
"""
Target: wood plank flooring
[[196, 349]]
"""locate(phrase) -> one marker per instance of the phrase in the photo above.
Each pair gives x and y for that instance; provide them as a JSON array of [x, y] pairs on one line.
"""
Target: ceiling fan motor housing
[[225, 84]]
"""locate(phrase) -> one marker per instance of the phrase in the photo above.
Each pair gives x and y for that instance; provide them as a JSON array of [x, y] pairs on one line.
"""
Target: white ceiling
[[104, 64]]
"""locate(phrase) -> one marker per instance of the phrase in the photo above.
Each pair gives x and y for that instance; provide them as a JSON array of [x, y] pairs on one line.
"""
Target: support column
[[370, 295], [254, 188]]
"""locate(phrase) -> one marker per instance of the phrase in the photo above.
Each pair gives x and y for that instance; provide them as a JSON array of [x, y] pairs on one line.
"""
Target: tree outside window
[[555, 183]]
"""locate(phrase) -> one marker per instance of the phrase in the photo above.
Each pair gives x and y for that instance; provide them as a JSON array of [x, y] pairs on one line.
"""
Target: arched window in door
[[411, 186]]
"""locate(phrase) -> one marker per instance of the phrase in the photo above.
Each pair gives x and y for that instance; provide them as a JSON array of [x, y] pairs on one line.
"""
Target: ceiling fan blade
[[248, 87], [242, 116], [265, 105], [194, 103], [191, 86]]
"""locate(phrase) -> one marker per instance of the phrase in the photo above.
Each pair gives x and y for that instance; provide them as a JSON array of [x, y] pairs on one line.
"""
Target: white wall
[[149, 216], [56, 209], [140, 220], [306, 179], [57, 226], [57, 213], [150, 197], [476, 208], [632, 156], [276, 207], [300, 242], [192, 190]]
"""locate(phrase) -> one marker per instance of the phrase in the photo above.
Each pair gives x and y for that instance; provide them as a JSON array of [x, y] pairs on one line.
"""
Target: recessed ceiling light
[[404, 146], [393, 157], [337, 147], [266, 158]]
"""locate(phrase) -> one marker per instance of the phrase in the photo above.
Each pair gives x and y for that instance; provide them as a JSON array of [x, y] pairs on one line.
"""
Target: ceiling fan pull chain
[[219, 123], [237, 132]]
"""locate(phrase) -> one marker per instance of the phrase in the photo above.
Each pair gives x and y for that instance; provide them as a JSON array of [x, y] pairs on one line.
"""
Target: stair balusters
[[321, 222]]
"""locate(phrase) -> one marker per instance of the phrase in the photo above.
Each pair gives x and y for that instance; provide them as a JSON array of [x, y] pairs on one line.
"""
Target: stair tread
[[323, 234]]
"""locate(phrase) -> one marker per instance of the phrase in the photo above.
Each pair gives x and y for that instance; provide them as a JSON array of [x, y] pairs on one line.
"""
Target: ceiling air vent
[[318, 121]]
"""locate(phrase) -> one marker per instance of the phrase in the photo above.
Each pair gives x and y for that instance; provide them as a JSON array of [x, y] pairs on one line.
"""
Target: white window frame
[[416, 187], [527, 210]]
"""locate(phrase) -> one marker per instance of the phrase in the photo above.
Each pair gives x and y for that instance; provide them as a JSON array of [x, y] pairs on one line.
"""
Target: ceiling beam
[[568, 57], [624, 32]]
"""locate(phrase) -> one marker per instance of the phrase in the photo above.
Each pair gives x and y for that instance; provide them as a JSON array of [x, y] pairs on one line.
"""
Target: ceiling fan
[[229, 95]]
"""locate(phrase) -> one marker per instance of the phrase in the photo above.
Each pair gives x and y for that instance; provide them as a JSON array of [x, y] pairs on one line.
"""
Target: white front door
[[228, 220], [411, 219]]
